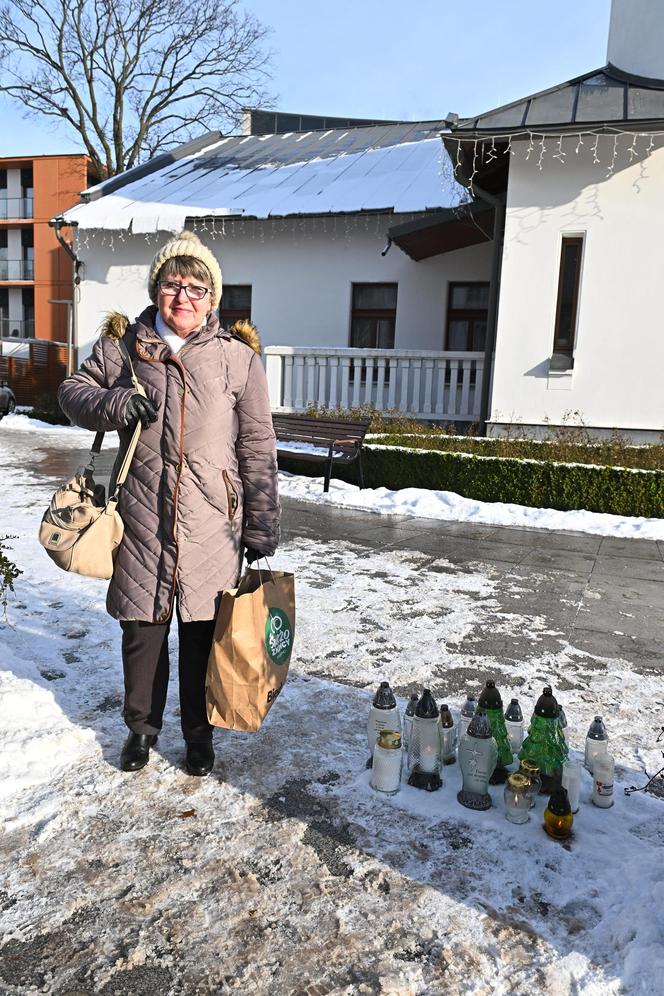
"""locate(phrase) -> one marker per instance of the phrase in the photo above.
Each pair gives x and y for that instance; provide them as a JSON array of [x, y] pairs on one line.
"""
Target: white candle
[[571, 780], [603, 781]]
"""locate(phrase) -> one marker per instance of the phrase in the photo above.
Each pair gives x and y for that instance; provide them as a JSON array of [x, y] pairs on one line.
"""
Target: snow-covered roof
[[392, 168]]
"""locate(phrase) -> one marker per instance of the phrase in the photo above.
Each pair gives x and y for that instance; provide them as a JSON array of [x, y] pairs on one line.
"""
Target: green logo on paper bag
[[278, 636]]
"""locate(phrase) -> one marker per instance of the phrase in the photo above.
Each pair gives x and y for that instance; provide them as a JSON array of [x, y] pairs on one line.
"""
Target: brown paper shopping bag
[[251, 650]]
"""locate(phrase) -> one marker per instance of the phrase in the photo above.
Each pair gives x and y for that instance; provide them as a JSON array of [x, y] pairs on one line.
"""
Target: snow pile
[[450, 506], [49, 435]]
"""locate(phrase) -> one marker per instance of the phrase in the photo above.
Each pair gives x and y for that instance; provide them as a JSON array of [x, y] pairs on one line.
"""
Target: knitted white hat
[[186, 244]]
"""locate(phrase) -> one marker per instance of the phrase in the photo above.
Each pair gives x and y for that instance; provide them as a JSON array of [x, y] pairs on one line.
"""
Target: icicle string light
[[486, 150]]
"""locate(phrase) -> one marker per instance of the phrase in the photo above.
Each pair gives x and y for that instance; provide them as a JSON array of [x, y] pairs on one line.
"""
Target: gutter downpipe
[[72, 330]]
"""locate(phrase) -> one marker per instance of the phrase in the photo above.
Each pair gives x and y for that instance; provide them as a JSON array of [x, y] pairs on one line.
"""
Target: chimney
[[636, 38]]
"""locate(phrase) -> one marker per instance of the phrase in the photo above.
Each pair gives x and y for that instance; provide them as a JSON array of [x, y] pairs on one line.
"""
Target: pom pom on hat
[[186, 244]]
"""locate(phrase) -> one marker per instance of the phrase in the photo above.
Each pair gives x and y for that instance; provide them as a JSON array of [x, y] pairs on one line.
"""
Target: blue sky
[[394, 59]]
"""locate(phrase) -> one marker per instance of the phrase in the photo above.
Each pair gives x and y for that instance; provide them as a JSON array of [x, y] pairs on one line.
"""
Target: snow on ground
[[284, 872], [409, 501]]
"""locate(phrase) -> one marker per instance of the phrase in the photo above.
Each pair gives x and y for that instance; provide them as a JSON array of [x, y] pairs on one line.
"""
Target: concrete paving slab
[[630, 567], [641, 655], [549, 539], [608, 617], [564, 560], [630, 594], [630, 548], [481, 550]]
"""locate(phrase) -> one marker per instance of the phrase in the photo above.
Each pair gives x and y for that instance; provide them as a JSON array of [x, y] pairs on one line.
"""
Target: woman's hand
[[140, 409], [251, 555]]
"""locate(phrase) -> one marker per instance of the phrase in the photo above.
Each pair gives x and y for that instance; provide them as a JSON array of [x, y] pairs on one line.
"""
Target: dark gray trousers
[[146, 666]]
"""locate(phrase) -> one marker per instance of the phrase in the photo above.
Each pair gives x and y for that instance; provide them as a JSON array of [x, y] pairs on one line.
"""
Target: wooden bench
[[336, 441]]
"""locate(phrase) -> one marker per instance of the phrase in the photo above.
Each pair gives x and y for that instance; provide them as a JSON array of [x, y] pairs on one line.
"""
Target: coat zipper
[[177, 362]]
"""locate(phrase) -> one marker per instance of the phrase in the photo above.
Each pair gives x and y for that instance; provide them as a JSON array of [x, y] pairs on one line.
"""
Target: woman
[[202, 484]]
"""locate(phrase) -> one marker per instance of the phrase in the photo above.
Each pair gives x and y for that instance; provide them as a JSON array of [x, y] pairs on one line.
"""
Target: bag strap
[[95, 449]]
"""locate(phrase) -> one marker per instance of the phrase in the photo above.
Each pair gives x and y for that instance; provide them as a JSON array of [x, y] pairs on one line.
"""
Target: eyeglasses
[[171, 289]]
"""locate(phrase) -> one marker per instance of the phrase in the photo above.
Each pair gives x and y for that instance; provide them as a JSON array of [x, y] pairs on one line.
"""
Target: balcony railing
[[12, 329], [17, 269], [435, 386], [16, 207]]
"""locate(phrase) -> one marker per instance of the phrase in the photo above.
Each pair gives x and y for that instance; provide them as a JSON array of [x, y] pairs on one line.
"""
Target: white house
[[385, 267], [577, 172], [301, 223]]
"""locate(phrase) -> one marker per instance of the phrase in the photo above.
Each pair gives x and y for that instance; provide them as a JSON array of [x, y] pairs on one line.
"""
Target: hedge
[[537, 483]]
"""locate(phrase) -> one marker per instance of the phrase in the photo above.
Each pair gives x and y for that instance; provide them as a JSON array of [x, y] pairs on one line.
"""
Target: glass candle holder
[[383, 715], [517, 799], [514, 725], [387, 762], [424, 757], [603, 773], [597, 743], [467, 713], [448, 736], [571, 779], [558, 817], [532, 773]]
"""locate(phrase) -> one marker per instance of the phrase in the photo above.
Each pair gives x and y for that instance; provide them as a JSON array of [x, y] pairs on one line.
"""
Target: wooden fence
[[37, 368]]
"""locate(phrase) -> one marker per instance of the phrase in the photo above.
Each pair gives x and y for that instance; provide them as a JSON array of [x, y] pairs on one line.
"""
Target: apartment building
[[35, 271]]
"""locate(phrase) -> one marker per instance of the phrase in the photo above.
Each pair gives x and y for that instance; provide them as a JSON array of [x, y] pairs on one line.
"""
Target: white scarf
[[175, 341]]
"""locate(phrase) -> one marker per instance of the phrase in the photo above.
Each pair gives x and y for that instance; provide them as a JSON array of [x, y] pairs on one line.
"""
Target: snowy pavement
[[284, 872]]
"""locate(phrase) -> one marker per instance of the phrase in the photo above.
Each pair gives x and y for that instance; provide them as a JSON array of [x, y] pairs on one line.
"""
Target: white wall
[[301, 279], [619, 354], [636, 37]]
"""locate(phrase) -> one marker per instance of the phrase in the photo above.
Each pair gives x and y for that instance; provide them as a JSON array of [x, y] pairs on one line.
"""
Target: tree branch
[[132, 77]]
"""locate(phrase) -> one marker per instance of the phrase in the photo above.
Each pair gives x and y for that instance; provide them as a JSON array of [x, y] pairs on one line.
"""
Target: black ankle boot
[[136, 751], [200, 758]]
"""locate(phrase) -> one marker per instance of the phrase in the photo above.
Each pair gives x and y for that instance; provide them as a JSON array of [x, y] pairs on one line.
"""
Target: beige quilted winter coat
[[203, 482]]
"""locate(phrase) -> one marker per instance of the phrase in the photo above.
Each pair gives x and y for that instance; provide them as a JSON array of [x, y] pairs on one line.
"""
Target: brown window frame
[[377, 314], [559, 341], [227, 316], [465, 314]]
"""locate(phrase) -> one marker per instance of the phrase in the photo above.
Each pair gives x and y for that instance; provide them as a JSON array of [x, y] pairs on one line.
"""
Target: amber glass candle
[[558, 818]]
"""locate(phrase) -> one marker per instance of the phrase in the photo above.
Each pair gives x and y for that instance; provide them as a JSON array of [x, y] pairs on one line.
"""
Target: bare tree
[[132, 77]]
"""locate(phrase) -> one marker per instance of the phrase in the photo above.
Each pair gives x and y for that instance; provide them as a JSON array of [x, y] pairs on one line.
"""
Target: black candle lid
[[446, 717], [479, 726], [513, 712], [426, 708], [546, 705], [597, 730], [490, 697], [384, 697], [559, 803], [412, 704]]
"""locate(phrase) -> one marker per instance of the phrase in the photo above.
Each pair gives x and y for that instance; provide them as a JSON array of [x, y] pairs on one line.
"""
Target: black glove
[[252, 555], [139, 408]]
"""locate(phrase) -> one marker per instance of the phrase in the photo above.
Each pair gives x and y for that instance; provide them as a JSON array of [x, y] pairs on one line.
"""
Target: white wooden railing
[[422, 383]]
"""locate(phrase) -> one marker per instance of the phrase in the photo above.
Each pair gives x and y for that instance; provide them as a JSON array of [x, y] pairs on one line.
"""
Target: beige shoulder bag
[[80, 530]]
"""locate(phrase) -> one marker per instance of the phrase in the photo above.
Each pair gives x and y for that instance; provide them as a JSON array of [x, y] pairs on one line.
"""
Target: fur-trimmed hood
[[245, 330], [115, 325]]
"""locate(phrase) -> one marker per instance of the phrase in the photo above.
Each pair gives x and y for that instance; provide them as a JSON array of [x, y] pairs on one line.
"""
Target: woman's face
[[180, 312]]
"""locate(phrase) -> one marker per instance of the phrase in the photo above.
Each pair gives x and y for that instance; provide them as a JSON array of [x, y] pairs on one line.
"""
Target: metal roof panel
[[601, 102], [386, 168], [555, 107], [602, 97]]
